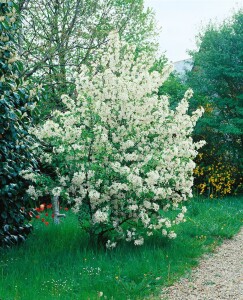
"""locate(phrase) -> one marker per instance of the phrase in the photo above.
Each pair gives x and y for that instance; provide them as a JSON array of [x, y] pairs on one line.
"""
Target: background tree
[[15, 106], [58, 36], [217, 80], [175, 88]]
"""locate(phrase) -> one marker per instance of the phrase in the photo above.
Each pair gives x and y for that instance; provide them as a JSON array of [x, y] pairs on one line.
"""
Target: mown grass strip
[[57, 263]]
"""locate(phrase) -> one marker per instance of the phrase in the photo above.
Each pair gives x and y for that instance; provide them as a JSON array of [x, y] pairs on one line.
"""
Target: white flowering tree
[[118, 152]]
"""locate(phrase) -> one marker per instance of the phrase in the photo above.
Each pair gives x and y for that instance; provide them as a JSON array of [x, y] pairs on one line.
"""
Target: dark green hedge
[[14, 139]]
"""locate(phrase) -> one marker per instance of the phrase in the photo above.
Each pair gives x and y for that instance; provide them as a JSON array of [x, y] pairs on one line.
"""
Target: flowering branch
[[119, 152]]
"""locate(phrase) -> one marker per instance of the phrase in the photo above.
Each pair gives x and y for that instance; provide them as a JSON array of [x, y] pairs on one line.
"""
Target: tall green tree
[[175, 88], [58, 36], [217, 80], [15, 117]]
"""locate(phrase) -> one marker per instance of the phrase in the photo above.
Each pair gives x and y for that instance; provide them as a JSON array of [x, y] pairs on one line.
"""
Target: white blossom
[[139, 242], [119, 151], [164, 232], [110, 245], [56, 191], [100, 216], [172, 235]]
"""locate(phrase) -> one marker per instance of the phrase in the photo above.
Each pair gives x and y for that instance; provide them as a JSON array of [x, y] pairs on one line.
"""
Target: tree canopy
[[57, 37], [217, 80]]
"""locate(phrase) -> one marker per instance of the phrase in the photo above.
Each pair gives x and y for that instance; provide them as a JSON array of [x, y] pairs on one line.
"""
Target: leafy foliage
[[15, 107], [217, 81], [57, 37], [175, 88]]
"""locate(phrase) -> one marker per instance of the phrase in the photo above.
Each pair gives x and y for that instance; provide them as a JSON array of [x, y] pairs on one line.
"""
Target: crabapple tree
[[118, 152]]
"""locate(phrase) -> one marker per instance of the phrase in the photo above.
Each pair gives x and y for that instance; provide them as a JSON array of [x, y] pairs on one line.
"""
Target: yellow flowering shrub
[[216, 179]]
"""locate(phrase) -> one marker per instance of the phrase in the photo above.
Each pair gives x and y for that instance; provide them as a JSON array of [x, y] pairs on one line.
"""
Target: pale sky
[[181, 20]]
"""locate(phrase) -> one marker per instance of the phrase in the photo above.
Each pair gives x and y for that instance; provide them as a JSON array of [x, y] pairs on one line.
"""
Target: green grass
[[56, 263]]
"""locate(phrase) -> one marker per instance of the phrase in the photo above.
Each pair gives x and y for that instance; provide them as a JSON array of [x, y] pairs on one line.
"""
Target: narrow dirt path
[[219, 276]]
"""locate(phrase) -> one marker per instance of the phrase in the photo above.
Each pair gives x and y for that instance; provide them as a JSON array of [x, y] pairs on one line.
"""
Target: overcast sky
[[181, 20]]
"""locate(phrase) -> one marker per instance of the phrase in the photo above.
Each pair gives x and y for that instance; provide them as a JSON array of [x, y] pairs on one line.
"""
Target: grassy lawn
[[56, 263]]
